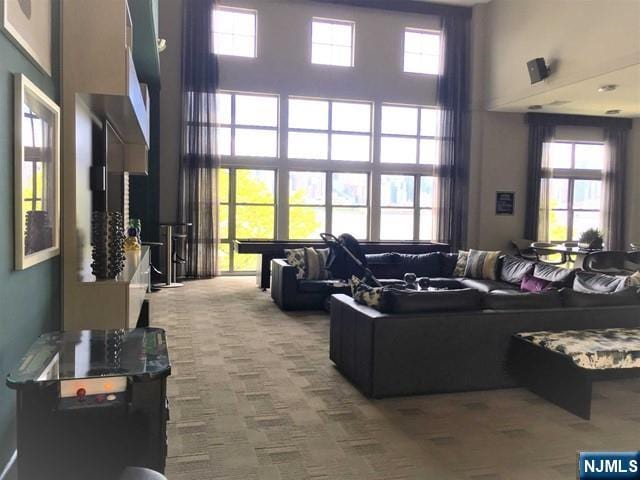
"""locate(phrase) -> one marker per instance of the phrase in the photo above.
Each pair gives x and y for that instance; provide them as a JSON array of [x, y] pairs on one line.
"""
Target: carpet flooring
[[253, 395]]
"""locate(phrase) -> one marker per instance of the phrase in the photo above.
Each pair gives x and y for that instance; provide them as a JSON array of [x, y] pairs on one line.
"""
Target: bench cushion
[[597, 349]]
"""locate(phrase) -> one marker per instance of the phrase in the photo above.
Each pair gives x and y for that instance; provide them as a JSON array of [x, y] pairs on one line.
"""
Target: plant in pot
[[591, 239]]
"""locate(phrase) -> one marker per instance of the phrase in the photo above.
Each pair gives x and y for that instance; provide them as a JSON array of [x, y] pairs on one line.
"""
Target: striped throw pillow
[[316, 263], [482, 265]]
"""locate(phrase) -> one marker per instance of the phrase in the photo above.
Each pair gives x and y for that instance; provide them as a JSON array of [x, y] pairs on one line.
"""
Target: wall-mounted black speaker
[[538, 70]]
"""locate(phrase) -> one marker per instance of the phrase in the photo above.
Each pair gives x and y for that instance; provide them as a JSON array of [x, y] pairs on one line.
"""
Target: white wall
[[283, 64], [588, 37]]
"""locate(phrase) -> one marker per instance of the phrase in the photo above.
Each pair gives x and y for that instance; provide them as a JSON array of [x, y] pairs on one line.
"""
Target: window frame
[[234, 126], [227, 8], [418, 136], [333, 21], [232, 204], [424, 31], [330, 131], [571, 175]]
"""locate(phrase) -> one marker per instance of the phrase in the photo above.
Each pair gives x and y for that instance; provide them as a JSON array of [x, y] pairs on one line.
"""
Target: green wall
[[29, 299]]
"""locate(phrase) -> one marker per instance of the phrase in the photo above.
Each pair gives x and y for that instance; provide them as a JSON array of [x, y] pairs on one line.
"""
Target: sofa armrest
[[284, 283]]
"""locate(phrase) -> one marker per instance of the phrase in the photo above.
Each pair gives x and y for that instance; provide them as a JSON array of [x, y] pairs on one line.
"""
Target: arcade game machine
[[92, 402]]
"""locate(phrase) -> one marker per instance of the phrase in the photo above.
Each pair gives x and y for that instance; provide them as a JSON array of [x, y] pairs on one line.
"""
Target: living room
[[471, 310]]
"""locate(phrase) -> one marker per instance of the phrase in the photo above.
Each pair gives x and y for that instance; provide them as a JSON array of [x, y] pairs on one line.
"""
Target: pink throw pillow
[[533, 284]]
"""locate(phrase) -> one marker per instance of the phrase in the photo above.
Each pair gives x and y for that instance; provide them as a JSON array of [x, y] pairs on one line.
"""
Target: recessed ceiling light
[[607, 88], [613, 112], [556, 103], [535, 107]]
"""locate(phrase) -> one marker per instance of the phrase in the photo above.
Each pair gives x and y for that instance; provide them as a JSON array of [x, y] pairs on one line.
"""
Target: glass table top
[[140, 352]]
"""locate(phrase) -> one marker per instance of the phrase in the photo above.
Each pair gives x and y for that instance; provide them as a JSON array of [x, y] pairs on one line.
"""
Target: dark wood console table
[[270, 249]]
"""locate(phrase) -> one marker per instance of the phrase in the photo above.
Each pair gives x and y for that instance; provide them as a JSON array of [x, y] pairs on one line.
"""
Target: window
[[234, 32], [421, 51], [247, 211], [402, 216], [409, 135], [329, 130], [575, 189], [247, 125], [332, 42], [318, 199]]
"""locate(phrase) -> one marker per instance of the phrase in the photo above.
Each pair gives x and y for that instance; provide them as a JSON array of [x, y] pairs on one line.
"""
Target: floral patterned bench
[[560, 366]]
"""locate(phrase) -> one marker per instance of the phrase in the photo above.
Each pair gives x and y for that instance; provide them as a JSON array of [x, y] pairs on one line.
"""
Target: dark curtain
[[538, 136], [197, 179], [453, 100], [614, 178]]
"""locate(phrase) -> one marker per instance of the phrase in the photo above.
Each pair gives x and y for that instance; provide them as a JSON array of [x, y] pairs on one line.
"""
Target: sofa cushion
[[591, 282], [571, 298], [448, 263], [461, 263], [412, 301], [486, 285], [513, 269], [532, 284], [423, 265], [449, 283], [482, 264], [558, 275], [389, 258], [312, 286], [512, 299]]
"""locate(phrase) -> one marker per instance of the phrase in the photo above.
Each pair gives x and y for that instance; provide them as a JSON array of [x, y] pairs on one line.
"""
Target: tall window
[[332, 42], [247, 124], [409, 134], [421, 51], [234, 32], [247, 211], [329, 130], [407, 203], [318, 199], [575, 189]]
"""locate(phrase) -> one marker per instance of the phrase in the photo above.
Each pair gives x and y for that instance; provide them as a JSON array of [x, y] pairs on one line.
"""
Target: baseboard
[[9, 467]]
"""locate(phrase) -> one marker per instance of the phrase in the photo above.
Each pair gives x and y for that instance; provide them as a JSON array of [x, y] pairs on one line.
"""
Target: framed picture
[[505, 203], [36, 175], [28, 24]]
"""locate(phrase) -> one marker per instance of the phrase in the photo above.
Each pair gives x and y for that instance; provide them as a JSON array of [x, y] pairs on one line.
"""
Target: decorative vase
[[107, 240]]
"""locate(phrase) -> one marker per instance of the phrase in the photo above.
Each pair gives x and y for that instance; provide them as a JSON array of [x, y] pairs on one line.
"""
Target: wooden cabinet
[[100, 87]]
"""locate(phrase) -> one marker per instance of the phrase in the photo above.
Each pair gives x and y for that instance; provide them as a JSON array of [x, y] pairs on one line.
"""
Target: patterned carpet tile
[[253, 395]]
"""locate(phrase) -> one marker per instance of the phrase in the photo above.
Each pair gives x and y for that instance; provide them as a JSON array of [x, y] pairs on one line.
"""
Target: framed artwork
[[505, 203], [36, 175], [28, 24]]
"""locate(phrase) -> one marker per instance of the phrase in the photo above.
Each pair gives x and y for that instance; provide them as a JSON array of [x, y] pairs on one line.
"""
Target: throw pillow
[[633, 280], [296, 258], [461, 264], [316, 263], [514, 269], [365, 294], [593, 282], [448, 262], [533, 284], [557, 275], [482, 265]]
